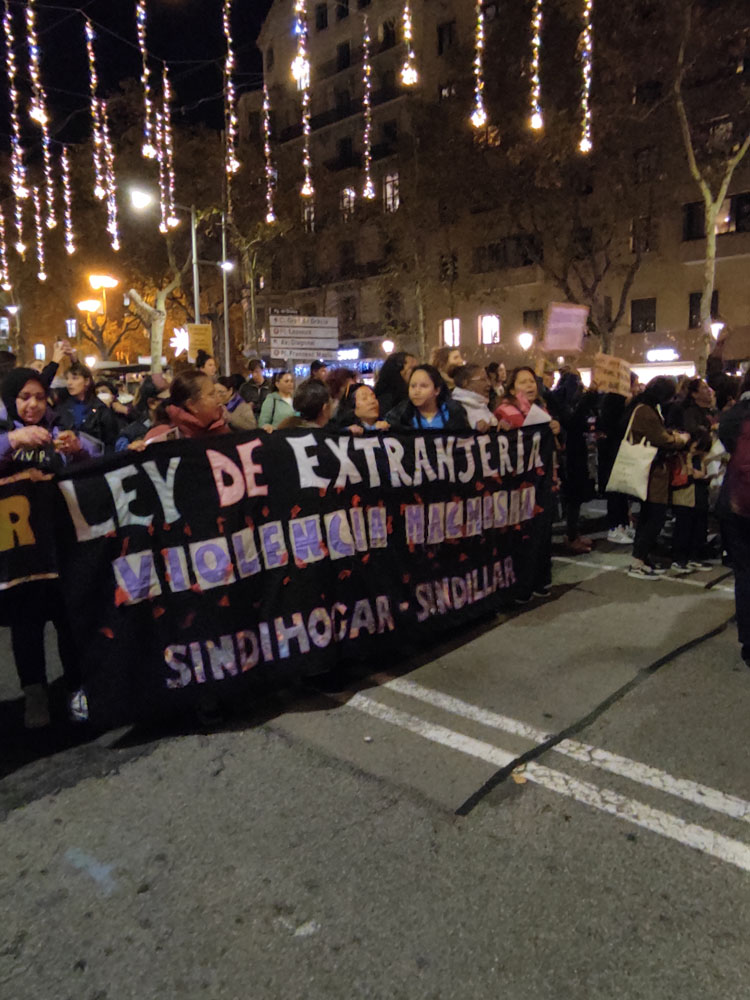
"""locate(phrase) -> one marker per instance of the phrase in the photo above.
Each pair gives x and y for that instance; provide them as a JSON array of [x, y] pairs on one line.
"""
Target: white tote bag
[[632, 466]]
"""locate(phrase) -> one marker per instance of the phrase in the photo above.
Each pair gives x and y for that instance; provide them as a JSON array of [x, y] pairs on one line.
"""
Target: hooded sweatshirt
[[476, 407]]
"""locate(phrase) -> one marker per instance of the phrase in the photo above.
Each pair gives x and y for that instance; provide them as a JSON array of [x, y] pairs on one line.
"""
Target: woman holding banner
[[193, 409], [429, 406], [32, 443]]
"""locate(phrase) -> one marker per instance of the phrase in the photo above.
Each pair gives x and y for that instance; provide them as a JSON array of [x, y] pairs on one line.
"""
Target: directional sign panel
[[305, 337]]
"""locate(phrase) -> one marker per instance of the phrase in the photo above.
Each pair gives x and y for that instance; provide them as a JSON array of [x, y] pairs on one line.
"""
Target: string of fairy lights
[[158, 132]]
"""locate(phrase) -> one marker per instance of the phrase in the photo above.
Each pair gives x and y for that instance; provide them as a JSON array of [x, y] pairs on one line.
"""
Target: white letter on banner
[[85, 532], [211, 563], [414, 517], [221, 658], [247, 649], [251, 470], [377, 520], [136, 577], [243, 543], [444, 455], [165, 487], [515, 507], [123, 498], [469, 472], [422, 465], [232, 492], [436, 524], [519, 452], [306, 464], [307, 539], [348, 471], [272, 542], [535, 456], [339, 535], [484, 442], [284, 634], [473, 516], [173, 659], [395, 452], [368, 445], [362, 617], [506, 466]]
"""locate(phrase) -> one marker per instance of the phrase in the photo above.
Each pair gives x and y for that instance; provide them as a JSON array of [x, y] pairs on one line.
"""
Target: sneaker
[[681, 569], [542, 592], [36, 707], [619, 536], [643, 572], [699, 566], [630, 532], [523, 600], [78, 707]]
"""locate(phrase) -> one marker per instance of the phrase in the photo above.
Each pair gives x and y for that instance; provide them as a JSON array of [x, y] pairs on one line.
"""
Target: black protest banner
[[218, 561], [27, 536]]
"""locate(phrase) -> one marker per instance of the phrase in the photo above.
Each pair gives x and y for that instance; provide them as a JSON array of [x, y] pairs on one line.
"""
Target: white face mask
[[106, 397]]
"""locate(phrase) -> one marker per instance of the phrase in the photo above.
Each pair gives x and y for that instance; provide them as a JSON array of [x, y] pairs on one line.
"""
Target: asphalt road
[[554, 805]]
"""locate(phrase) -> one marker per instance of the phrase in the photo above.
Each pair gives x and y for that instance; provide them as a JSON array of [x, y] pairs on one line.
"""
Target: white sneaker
[[78, 708], [630, 531], [619, 536], [643, 572]]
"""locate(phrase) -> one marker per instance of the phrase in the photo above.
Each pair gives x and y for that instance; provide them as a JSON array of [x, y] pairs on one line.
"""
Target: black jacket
[[99, 421], [402, 416], [255, 394]]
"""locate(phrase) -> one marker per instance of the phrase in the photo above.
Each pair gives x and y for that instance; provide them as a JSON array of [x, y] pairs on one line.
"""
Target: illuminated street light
[[140, 199], [100, 281], [388, 346], [226, 265], [525, 340], [90, 361], [716, 329], [12, 310], [90, 306]]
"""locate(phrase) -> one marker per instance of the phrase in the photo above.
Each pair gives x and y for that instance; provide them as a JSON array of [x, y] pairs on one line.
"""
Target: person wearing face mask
[[153, 391], [83, 413], [31, 441], [280, 404]]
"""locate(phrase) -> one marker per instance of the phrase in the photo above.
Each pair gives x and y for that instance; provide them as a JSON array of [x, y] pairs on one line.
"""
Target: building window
[[448, 267], [450, 332], [694, 315], [347, 203], [343, 56], [446, 36], [446, 91], [389, 131], [391, 196], [343, 103], [693, 221], [643, 316], [489, 329], [303, 75], [387, 35], [522, 250], [40, 352], [533, 320], [347, 260], [269, 58], [321, 16], [345, 148], [645, 164], [308, 216], [342, 9], [734, 215]]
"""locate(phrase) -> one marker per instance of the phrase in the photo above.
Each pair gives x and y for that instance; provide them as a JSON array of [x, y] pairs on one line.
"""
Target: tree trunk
[[421, 332], [709, 279]]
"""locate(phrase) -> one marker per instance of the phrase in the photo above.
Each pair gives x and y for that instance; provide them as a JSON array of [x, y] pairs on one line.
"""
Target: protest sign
[[565, 327], [231, 560], [611, 374]]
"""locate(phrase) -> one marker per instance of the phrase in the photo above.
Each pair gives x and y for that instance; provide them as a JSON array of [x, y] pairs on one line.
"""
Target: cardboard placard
[[611, 374], [565, 327]]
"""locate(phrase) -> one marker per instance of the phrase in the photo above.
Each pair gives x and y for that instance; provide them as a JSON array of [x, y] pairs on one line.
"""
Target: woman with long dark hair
[[392, 386], [81, 411], [429, 406], [192, 408]]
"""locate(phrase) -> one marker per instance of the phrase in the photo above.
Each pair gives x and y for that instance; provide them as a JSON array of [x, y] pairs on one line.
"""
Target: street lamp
[[716, 329], [525, 340], [100, 282], [140, 200], [90, 306], [13, 310], [388, 346]]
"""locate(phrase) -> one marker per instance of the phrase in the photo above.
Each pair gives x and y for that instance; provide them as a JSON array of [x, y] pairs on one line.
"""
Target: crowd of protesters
[[47, 427]]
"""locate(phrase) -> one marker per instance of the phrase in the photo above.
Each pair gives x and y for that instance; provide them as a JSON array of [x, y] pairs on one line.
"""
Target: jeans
[[650, 523], [736, 534]]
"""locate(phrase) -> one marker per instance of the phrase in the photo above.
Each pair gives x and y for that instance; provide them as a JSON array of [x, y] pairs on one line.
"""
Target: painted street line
[[610, 568], [605, 800], [643, 774]]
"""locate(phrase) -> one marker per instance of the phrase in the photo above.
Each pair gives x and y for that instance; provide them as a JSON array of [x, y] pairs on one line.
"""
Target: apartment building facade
[[420, 271]]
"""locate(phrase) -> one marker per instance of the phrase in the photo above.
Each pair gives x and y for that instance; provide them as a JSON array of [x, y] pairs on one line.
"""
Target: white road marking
[[608, 567], [643, 774], [605, 800]]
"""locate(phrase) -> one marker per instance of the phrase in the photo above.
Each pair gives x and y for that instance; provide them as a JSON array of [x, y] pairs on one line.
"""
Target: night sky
[[187, 33]]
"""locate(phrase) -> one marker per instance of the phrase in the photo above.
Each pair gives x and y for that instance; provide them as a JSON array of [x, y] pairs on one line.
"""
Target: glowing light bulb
[[369, 188], [587, 58], [409, 75], [479, 115], [270, 214], [537, 119]]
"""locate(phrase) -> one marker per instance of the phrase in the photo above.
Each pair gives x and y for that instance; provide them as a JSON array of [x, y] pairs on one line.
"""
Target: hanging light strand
[[18, 169], [479, 114], [38, 113], [587, 56], [161, 155], [40, 255], [113, 227], [97, 131], [148, 149], [301, 73], [537, 118], [4, 270], [409, 75], [70, 242], [231, 124], [270, 211], [368, 191], [168, 150]]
